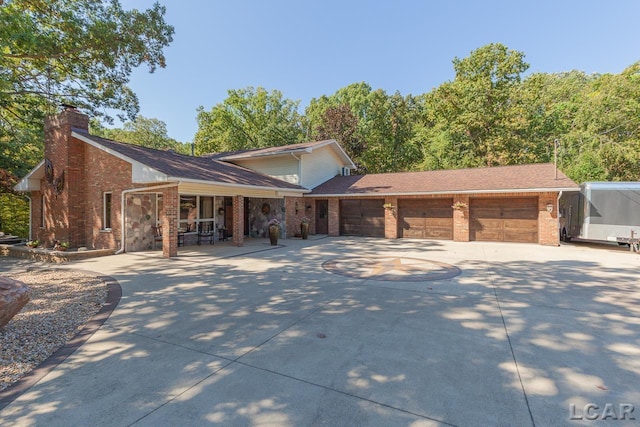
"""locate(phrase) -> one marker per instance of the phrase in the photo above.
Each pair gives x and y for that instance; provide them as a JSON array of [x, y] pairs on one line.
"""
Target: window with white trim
[[42, 207], [106, 211]]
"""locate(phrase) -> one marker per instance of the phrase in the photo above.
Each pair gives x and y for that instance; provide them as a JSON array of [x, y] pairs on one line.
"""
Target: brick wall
[[391, 218], [461, 219], [548, 221], [238, 221], [296, 209], [171, 210], [65, 206]]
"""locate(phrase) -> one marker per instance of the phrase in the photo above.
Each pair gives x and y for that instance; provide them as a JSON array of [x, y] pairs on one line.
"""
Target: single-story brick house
[[101, 194]]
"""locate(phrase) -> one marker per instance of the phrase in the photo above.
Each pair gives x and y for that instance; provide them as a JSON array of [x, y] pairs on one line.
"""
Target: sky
[[309, 48]]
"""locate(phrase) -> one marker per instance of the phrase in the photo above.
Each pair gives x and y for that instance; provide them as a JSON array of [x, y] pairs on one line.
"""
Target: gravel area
[[62, 301]]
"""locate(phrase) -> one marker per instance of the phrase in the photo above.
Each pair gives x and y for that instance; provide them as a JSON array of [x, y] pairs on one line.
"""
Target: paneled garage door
[[425, 218], [362, 217], [504, 220]]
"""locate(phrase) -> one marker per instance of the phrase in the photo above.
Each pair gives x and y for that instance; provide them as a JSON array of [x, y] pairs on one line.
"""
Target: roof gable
[[304, 147]]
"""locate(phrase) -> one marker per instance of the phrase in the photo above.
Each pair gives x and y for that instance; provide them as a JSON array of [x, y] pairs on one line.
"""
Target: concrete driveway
[[351, 332]]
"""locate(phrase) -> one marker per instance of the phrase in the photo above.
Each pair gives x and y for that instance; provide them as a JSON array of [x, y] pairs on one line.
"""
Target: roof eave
[[244, 186], [30, 182], [435, 193]]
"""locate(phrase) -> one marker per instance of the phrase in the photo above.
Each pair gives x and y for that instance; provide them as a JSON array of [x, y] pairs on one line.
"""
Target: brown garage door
[[362, 217], [425, 218], [504, 220]]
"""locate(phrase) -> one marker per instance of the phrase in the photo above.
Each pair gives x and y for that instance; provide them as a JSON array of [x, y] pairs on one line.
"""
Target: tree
[[146, 132], [79, 52], [476, 114], [341, 124], [249, 118]]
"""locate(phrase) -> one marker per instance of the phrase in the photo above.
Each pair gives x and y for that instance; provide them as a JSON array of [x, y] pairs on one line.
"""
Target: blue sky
[[307, 49]]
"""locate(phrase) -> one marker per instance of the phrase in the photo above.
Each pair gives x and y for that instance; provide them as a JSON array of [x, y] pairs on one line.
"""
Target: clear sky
[[310, 48]]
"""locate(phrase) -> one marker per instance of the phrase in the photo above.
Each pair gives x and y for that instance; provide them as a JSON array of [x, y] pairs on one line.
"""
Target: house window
[[106, 212], [206, 208], [188, 212], [42, 211]]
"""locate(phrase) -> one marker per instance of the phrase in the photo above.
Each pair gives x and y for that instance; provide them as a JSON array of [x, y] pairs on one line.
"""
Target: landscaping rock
[[13, 296]]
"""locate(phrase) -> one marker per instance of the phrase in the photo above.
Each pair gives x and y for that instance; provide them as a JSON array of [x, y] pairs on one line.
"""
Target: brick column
[[171, 202], [334, 217], [391, 218], [548, 221], [238, 221], [461, 219]]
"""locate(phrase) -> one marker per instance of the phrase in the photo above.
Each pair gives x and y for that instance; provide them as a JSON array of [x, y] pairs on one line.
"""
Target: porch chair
[[206, 232], [157, 235]]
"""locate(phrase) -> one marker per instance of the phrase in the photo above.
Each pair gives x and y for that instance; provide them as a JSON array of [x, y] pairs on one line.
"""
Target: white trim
[[29, 182], [240, 186], [104, 210], [436, 193]]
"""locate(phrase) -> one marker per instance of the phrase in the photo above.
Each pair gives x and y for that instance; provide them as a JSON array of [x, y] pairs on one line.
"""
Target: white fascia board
[[435, 193], [289, 191], [31, 181], [256, 156], [140, 172]]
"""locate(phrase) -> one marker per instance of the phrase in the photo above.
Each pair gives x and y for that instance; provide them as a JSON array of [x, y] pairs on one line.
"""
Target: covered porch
[[189, 214]]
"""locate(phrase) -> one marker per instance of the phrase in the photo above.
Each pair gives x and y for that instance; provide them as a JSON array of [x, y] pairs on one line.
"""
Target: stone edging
[[114, 293], [37, 254]]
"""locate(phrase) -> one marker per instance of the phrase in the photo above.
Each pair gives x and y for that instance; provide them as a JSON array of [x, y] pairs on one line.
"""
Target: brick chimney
[[64, 189]]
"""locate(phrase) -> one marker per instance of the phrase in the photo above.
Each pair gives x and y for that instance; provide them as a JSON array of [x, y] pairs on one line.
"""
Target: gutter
[[122, 206], [30, 213]]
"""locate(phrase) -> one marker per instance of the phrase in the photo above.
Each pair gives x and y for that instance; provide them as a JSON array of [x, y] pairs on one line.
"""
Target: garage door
[[425, 218], [504, 220], [362, 217]]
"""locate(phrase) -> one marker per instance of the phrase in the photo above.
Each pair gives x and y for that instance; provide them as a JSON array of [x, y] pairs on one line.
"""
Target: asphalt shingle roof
[[181, 166], [490, 179]]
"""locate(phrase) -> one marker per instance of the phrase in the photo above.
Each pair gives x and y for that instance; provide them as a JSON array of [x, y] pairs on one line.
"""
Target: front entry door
[[322, 217]]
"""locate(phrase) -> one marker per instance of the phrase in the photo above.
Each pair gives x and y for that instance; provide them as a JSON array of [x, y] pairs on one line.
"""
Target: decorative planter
[[274, 232], [304, 230]]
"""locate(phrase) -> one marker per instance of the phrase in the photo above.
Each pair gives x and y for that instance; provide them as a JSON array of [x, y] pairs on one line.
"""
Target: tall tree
[[249, 118], [143, 131], [80, 52], [474, 114], [341, 124]]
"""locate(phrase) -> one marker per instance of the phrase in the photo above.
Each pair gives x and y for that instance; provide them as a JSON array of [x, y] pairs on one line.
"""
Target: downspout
[[30, 219], [299, 159], [122, 213]]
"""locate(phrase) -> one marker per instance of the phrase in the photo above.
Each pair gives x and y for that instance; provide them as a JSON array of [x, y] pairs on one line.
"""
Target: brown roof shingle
[[181, 166], [494, 179]]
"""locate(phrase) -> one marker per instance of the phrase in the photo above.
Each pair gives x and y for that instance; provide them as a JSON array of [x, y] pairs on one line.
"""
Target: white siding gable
[[285, 167], [320, 166]]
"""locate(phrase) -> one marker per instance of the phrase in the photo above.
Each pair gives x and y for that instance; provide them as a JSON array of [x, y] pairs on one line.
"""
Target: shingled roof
[[182, 167], [519, 178]]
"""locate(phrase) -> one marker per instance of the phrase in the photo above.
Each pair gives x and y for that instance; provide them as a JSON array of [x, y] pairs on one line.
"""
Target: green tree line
[[490, 114]]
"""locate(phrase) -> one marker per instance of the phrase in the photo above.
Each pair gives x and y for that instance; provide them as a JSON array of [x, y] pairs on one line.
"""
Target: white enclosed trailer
[[601, 211]]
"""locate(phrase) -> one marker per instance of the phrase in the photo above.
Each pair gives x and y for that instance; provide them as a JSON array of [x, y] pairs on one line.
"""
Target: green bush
[[14, 215]]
